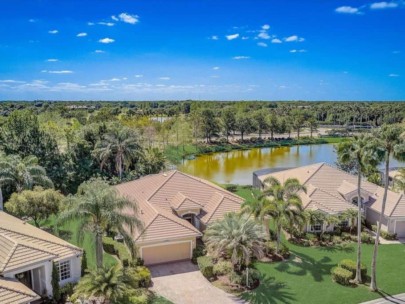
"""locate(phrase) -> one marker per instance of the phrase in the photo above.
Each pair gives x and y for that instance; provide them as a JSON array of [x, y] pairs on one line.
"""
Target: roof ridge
[[208, 183], [41, 239], [160, 187], [216, 207], [320, 166], [318, 203], [179, 222], [150, 223], [10, 254], [324, 191], [189, 198], [144, 177], [16, 290], [396, 205]]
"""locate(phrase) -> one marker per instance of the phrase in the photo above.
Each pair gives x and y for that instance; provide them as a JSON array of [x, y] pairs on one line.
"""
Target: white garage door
[[166, 253], [400, 228]]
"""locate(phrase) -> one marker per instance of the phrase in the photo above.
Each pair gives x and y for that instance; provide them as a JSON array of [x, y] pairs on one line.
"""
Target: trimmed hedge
[[206, 265], [366, 238], [351, 266], [341, 275], [116, 248], [198, 251]]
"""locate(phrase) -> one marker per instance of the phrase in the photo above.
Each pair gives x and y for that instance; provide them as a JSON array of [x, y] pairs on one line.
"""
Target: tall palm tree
[[22, 174], [154, 161], [390, 143], [282, 203], [107, 285], [399, 180], [121, 144], [350, 215], [99, 208], [361, 150], [238, 237]]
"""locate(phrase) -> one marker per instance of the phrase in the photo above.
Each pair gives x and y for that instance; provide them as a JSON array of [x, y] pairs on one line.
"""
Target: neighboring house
[[26, 257], [175, 208], [333, 191]]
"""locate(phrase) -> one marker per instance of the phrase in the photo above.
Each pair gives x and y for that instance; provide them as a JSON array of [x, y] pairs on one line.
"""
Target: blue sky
[[202, 49]]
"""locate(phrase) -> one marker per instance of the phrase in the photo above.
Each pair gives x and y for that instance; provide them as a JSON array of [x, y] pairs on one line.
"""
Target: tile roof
[[157, 195], [19, 240], [331, 181], [14, 292]]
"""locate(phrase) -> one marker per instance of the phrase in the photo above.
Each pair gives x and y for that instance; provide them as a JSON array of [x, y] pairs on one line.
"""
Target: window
[[316, 227], [344, 223], [64, 270]]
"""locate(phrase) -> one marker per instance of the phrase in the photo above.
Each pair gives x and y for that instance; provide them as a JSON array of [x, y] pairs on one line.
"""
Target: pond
[[237, 167]]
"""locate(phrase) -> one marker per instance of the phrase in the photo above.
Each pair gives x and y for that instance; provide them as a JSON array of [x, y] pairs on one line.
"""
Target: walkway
[[397, 299], [183, 283]]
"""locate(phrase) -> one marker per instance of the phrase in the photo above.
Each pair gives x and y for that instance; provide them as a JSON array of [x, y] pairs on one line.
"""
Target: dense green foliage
[[341, 275], [206, 265]]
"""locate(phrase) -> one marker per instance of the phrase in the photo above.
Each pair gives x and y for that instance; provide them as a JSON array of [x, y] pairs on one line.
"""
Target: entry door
[[25, 278]]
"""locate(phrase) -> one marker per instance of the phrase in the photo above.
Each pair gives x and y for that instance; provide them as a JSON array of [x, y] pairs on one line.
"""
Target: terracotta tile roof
[[334, 182], [14, 292], [157, 195], [20, 240]]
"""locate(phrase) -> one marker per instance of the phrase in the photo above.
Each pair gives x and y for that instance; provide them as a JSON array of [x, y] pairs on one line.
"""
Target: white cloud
[[138, 76], [347, 10], [58, 72], [115, 79], [276, 40], [53, 32], [164, 78], [107, 23], [113, 17], [32, 20], [240, 57], [298, 51], [106, 40], [11, 81], [127, 18], [266, 27], [262, 44], [264, 35], [393, 75], [383, 5], [232, 37], [52, 60], [214, 37], [215, 68], [83, 34], [90, 23], [245, 38], [99, 51], [294, 38]]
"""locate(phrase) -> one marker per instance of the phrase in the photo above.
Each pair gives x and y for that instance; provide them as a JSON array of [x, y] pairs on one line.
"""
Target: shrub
[[351, 266], [231, 187], [235, 278], [346, 236], [67, 290], [109, 248], [222, 268], [138, 276], [270, 247], [310, 237], [137, 296], [388, 236], [366, 238], [253, 277], [116, 248], [198, 251], [206, 266], [341, 275], [284, 251]]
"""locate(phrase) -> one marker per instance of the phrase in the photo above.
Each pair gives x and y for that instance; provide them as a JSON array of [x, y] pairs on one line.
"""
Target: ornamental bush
[[341, 275], [198, 251], [366, 238], [206, 266], [253, 277], [351, 266], [222, 268]]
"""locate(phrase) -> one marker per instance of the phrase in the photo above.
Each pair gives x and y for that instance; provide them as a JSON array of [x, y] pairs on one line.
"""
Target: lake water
[[237, 167]]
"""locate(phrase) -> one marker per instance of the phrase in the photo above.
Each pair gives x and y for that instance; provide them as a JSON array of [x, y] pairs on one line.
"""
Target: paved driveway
[[397, 299], [183, 283]]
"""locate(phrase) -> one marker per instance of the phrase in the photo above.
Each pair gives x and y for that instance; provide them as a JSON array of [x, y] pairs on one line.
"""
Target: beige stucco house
[[333, 191], [26, 257], [175, 208]]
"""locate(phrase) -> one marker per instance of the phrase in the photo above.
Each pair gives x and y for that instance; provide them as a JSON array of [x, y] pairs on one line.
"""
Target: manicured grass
[[69, 231], [160, 300], [305, 277]]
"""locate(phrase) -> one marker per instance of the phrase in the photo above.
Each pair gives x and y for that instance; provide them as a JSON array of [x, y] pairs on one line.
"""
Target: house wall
[[75, 270], [399, 227], [373, 217]]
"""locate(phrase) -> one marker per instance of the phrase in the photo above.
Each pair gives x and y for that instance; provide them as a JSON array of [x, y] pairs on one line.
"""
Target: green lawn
[[69, 233], [160, 300], [305, 277]]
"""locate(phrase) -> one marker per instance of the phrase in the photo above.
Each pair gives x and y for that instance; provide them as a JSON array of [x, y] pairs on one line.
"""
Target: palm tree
[[360, 150], [154, 161], [390, 143], [23, 174], [99, 209], [315, 217], [351, 215], [282, 203], [235, 236], [122, 145], [107, 285], [399, 180]]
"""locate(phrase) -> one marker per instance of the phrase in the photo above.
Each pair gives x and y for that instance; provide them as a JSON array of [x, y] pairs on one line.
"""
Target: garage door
[[400, 228], [166, 253]]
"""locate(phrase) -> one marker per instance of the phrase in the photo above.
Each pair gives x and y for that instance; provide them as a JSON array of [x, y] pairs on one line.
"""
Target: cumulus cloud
[[245, 38], [232, 37], [113, 17], [266, 27], [138, 76], [215, 68], [276, 40], [52, 60], [214, 37], [83, 34], [263, 35], [240, 57], [58, 72], [294, 38], [53, 32], [347, 10], [383, 5], [90, 23], [127, 18], [32, 20], [99, 51], [106, 40], [107, 23], [262, 44], [393, 75], [298, 51]]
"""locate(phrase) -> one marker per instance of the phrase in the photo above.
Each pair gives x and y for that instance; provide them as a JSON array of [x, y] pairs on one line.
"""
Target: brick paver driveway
[[183, 283]]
